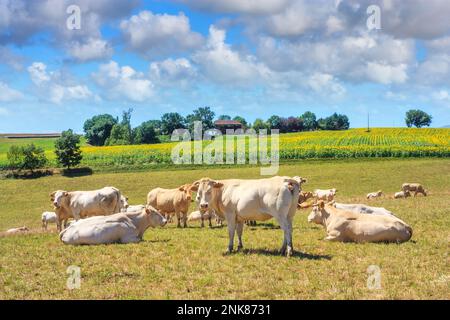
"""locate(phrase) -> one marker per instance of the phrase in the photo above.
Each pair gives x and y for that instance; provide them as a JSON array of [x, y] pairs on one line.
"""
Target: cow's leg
[[231, 224], [65, 223], [184, 219], [286, 226], [178, 220], [240, 229], [203, 224], [58, 224], [210, 224]]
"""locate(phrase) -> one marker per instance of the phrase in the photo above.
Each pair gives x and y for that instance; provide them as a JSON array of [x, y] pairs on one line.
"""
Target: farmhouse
[[223, 125]]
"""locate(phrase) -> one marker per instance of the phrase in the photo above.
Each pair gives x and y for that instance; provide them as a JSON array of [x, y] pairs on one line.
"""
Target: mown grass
[[189, 263], [353, 143]]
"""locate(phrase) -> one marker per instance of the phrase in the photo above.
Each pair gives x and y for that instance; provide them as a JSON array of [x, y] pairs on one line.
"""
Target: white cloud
[[170, 71], [123, 82], [51, 86], [8, 94], [386, 74], [159, 34], [239, 6], [92, 49], [442, 95], [325, 83], [220, 63]]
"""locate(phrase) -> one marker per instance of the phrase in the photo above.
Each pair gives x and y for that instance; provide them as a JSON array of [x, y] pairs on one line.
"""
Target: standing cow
[[172, 201], [238, 200], [82, 204]]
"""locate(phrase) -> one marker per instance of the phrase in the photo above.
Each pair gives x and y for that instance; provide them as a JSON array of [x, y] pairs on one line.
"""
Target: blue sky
[[249, 58]]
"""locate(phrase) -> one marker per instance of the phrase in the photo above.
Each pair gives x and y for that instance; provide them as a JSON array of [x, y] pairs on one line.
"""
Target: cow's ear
[[52, 194], [147, 210], [304, 180], [66, 193], [195, 185], [126, 198], [217, 184], [181, 188], [321, 204]]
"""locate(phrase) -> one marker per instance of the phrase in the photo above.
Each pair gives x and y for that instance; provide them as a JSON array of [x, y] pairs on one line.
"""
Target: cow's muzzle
[[203, 206]]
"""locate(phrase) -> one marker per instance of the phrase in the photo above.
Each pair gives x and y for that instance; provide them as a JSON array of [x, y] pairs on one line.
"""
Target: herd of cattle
[[104, 215]]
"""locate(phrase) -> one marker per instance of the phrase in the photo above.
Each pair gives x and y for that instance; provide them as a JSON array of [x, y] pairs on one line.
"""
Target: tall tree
[[241, 120], [145, 133], [274, 122], [67, 149], [203, 114], [224, 117], [171, 121], [309, 120], [259, 124], [417, 118], [98, 128], [121, 133]]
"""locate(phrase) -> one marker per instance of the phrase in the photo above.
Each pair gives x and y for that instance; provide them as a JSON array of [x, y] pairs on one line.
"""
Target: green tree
[[241, 120], [171, 121], [121, 133], [145, 133], [224, 117], [27, 157], [334, 122], [203, 114], [309, 121], [259, 124], [417, 118], [274, 122], [67, 149], [98, 129]]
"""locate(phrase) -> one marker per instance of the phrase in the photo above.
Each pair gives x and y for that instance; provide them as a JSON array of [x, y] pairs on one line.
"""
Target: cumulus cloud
[[51, 86], [220, 63], [123, 82], [386, 74], [159, 34], [8, 94], [325, 83], [238, 6], [92, 49], [170, 71]]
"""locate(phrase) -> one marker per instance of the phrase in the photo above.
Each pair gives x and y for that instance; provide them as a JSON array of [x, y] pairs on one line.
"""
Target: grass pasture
[[189, 263]]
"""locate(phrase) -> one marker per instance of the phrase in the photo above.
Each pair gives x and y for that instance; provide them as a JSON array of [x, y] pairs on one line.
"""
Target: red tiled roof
[[226, 122]]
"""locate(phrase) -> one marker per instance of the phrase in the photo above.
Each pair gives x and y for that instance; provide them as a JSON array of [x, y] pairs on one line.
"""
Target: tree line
[[104, 129]]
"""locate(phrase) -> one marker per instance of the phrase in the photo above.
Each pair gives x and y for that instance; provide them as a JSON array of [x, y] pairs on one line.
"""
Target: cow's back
[[104, 201]]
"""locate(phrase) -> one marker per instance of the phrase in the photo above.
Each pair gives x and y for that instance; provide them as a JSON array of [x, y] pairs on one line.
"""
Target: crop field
[[173, 263], [353, 143]]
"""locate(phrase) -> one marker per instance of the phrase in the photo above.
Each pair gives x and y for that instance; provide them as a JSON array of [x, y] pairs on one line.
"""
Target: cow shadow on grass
[[156, 241], [295, 254]]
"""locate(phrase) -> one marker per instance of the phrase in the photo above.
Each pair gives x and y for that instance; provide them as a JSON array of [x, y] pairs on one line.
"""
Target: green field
[[353, 143], [190, 263]]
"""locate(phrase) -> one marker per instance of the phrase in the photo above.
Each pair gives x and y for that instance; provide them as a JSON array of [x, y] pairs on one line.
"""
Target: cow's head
[[316, 214], [154, 217], [187, 189], [57, 197], [379, 193], [124, 202], [205, 187]]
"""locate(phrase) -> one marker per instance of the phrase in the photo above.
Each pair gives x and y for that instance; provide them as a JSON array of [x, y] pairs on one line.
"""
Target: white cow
[[134, 208], [327, 195], [373, 195], [123, 227], [48, 216], [17, 230], [82, 204], [202, 216], [364, 209], [402, 194], [238, 200], [347, 226]]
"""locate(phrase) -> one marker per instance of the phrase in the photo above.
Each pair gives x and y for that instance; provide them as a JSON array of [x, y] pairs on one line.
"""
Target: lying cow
[[303, 196], [363, 209], [402, 194], [238, 200], [82, 204], [48, 216], [123, 227], [202, 216], [373, 195], [172, 201], [327, 195], [414, 187], [347, 226], [133, 208], [17, 230]]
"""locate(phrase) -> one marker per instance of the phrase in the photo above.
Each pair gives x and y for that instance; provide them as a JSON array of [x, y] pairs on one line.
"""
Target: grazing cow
[[327, 195], [363, 209], [82, 204], [346, 226], [47, 217], [17, 230], [238, 200], [172, 201], [123, 227], [134, 208], [402, 194], [414, 187], [373, 195]]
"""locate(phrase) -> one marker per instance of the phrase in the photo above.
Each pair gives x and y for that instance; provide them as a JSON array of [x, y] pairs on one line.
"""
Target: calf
[[172, 201], [17, 230], [123, 227], [327, 195], [402, 194], [346, 226], [47, 217], [414, 187], [373, 195]]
